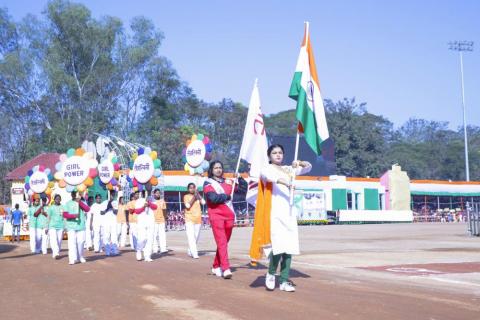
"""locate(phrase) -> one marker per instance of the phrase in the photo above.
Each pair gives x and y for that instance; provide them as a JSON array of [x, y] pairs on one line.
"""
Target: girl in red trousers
[[220, 211]]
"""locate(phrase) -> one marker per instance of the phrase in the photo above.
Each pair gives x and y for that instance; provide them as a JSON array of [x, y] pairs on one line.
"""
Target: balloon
[[208, 147], [134, 156], [206, 140], [70, 152], [153, 181], [135, 183], [184, 159], [184, 152], [131, 175], [27, 186], [30, 192], [27, 179], [198, 170], [191, 171], [92, 163], [135, 189], [47, 171], [140, 151], [205, 165], [148, 150], [51, 184], [200, 136], [58, 166], [113, 182], [81, 187], [148, 186], [116, 174], [89, 182], [92, 172], [157, 172], [186, 167], [41, 168], [156, 163], [140, 187], [88, 155], [48, 191], [69, 188], [50, 177], [109, 186], [79, 152], [188, 142], [63, 157], [208, 156], [114, 159], [194, 137], [58, 175], [116, 166], [153, 155], [62, 184]]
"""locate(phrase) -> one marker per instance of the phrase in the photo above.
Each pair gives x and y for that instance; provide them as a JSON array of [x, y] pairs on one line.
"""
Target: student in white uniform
[[97, 211], [159, 235], [283, 225], [56, 225], [89, 229], [193, 218], [144, 209], [110, 225], [122, 222]]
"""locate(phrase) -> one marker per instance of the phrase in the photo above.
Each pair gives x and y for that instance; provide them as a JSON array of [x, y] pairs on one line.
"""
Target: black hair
[[155, 190], [132, 195], [17, 206], [57, 195], [191, 184], [73, 194], [273, 146], [98, 195], [210, 168]]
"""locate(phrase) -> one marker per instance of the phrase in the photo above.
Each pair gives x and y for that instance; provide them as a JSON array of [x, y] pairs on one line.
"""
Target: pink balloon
[[206, 140], [92, 173], [63, 157], [116, 166]]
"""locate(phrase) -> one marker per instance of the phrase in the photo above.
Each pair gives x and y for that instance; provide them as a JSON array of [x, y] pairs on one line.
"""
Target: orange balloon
[[62, 183], [188, 142], [116, 174], [153, 181], [109, 186], [48, 191], [89, 182], [79, 152]]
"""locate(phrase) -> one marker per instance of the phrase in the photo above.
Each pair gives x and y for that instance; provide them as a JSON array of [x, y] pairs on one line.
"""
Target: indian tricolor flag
[[305, 89]]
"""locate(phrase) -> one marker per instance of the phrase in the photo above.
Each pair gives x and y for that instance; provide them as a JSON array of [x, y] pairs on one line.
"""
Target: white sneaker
[[270, 281], [148, 260], [287, 286], [195, 257], [71, 262], [227, 274], [82, 260], [217, 272], [139, 255]]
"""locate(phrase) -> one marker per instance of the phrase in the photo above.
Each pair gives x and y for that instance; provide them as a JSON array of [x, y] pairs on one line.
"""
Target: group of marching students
[[102, 225]]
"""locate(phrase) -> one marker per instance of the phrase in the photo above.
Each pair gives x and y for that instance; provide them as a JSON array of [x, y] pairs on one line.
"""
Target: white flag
[[254, 143]]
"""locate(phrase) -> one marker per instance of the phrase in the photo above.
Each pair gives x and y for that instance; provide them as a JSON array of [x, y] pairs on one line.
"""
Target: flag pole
[[295, 159]]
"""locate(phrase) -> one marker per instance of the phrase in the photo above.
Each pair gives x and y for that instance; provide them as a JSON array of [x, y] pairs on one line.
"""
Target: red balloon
[[116, 166], [93, 173]]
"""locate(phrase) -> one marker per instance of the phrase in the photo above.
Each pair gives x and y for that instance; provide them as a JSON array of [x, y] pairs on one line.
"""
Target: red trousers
[[222, 231]]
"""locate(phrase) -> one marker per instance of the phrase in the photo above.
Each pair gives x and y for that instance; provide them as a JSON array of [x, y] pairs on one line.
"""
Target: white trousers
[[193, 234], [122, 234], [33, 239], [41, 240], [98, 236], [88, 232], [110, 236], [133, 235], [159, 238], [55, 241], [76, 240], [145, 238]]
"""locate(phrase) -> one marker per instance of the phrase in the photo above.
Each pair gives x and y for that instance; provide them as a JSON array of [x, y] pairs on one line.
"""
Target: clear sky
[[393, 55]]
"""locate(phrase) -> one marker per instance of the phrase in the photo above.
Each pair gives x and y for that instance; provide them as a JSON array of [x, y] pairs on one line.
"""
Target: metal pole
[[467, 169]]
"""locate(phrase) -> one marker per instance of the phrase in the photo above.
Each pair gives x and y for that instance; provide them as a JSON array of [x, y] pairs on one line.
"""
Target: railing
[[473, 219]]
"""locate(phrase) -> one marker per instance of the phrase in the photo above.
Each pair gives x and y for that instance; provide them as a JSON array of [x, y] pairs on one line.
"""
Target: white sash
[[219, 190]]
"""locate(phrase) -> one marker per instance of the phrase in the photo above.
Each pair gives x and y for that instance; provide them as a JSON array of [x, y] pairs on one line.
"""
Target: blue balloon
[[140, 151], [208, 148], [27, 186], [157, 173], [58, 166], [47, 171], [140, 187], [50, 177], [205, 165], [148, 150], [30, 172], [69, 188]]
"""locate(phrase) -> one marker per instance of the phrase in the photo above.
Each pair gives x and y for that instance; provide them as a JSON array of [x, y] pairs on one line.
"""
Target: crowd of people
[[104, 225]]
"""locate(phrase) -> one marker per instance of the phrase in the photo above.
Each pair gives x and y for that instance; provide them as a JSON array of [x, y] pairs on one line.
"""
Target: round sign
[[75, 170], [105, 171], [143, 168], [39, 182], [195, 153]]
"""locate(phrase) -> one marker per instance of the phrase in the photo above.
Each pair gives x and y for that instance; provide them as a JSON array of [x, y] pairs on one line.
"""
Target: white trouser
[[122, 233], [110, 232], [33, 240], [193, 234], [55, 241], [133, 235], [98, 236], [145, 238], [41, 240], [88, 232], [76, 240], [159, 238]]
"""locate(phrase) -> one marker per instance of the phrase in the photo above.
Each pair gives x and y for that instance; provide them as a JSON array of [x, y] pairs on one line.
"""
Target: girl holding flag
[[218, 191], [275, 230]]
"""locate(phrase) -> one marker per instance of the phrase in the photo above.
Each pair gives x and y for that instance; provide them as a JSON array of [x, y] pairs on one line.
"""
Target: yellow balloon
[[89, 182], [194, 137], [186, 167], [153, 155], [116, 174], [134, 156], [58, 175], [48, 191], [51, 184], [81, 187]]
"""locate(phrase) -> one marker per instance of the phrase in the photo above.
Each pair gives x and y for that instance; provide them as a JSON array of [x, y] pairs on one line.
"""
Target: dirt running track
[[175, 286]]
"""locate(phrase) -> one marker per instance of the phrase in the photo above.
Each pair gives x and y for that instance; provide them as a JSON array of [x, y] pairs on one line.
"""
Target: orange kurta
[[194, 213], [159, 213]]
